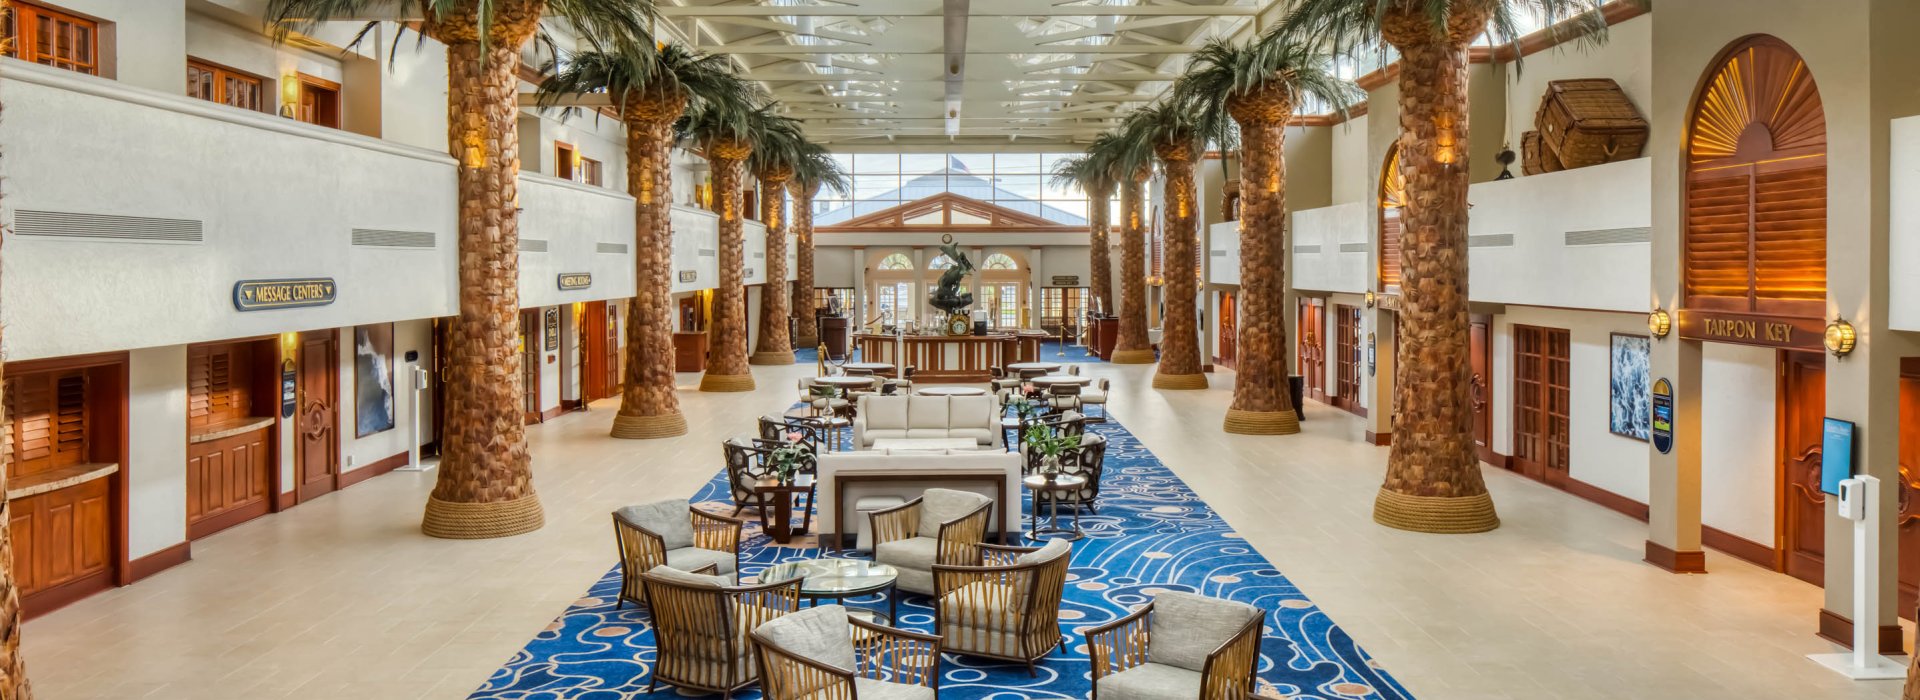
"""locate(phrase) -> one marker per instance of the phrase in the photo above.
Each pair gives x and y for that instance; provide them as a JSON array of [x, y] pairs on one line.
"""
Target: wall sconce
[[1371, 299], [1840, 337], [1659, 322], [290, 89]]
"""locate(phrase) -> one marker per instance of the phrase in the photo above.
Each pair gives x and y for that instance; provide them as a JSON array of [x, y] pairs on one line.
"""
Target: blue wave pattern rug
[[1049, 350], [1152, 533]]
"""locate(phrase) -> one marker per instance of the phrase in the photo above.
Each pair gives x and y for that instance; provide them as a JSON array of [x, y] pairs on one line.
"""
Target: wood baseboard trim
[[161, 561], [372, 470], [48, 600], [1694, 562], [1380, 439], [208, 526], [1496, 459], [1836, 628], [1608, 499], [1738, 547], [552, 413]]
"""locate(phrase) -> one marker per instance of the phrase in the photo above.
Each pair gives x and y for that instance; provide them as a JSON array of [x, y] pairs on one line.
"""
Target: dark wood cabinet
[[63, 542], [690, 352]]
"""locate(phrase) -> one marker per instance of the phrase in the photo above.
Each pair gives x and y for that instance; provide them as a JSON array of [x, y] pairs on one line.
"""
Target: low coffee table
[[925, 444], [840, 579]]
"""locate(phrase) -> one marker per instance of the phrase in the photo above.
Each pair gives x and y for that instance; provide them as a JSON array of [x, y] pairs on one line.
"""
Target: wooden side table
[[781, 527], [1060, 488]]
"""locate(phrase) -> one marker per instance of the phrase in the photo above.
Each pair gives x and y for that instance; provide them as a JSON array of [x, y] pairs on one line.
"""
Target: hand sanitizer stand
[[413, 464], [1859, 501]]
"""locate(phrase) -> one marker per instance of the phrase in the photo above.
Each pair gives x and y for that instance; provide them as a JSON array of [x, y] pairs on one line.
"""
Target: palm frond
[[734, 115], [638, 72], [817, 167], [1346, 27], [602, 24], [1221, 70], [1169, 121], [778, 145]]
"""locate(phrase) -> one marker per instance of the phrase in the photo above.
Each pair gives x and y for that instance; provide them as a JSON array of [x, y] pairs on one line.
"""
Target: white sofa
[[970, 417], [846, 477]]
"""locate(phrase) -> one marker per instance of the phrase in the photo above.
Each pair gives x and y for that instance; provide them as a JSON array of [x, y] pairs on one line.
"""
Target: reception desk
[[943, 359]]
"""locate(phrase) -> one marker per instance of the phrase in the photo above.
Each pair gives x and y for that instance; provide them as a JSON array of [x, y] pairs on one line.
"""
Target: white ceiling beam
[[986, 8], [796, 49]]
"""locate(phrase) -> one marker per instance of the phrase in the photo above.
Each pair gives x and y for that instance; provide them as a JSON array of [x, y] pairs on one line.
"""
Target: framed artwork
[[1630, 411], [372, 379]]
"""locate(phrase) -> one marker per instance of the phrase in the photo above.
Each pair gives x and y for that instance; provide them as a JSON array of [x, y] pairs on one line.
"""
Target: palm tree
[[726, 132], [1093, 176], [1130, 344], [485, 484], [649, 87], [775, 154], [13, 667], [1167, 131], [1252, 90], [815, 169], [1433, 481]]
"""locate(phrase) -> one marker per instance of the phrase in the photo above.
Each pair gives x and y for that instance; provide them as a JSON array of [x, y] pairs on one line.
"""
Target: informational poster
[[1663, 416], [1836, 454]]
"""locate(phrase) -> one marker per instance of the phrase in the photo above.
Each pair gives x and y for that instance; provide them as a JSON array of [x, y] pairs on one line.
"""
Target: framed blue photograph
[[1836, 454]]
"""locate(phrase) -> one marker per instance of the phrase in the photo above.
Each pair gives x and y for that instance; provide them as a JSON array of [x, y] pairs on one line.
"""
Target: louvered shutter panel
[[1790, 235], [47, 421], [1390, 229], [1716, 241]]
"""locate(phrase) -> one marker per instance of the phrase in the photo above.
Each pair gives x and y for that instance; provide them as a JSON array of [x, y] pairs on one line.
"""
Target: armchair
[[703, 624], [746, 465], [774, 428], [1097, 396], [821, 653], [1201, 649], [1004, 607], [1088, 460], [942, 526], [671, 533]]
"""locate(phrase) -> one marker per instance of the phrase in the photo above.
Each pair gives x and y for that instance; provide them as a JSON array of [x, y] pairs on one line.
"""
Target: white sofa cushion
[[970, 411], [927, 412], [884, 413]]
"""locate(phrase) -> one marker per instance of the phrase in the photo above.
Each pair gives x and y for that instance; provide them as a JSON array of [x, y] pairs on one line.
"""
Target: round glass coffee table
[[840, 579]]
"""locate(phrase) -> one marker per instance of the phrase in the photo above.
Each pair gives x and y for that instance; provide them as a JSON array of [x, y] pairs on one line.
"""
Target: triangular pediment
[[947, 211]]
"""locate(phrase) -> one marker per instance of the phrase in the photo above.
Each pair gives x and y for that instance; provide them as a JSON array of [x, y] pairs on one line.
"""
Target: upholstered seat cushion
[[1094, 397], [887, 414], [667, 518], [1150, 681], [870, 689], [1185, 628], [982, 436], [690, 558], [820, 634], [685, 578], [914, 558], [941, 506]]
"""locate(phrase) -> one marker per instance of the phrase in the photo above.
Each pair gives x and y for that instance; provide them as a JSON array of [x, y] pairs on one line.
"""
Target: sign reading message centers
[[260, 295]]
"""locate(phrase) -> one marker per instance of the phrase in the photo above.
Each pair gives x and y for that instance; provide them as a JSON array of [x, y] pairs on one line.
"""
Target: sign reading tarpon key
[[260, 295]]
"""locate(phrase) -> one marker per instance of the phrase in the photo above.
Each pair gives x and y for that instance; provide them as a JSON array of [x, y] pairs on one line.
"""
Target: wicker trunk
[[1535, 158], [1588, 122]]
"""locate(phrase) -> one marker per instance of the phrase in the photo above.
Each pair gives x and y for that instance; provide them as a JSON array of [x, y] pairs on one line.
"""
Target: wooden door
[[316, 414], [319, 102], [593, 352], [442, 337], [62, 537], [1907, 521], [1481, 330], [1229, 329], [531, 336], [1801, 409], [1311, 343], [1542, 398], [232, 396], [1346, 358]]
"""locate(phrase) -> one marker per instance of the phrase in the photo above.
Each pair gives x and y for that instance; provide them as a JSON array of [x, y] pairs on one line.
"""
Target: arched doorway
[[1393, 197], [1754, 258]]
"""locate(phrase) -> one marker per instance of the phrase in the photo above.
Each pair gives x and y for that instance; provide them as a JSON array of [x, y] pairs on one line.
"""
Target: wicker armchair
[[1006, 607], [823, 654], [1088, 460], [942, 526], [650, 535], [702, 625], [1201, 648], [1066, 423], [746, 465], [775, 428]]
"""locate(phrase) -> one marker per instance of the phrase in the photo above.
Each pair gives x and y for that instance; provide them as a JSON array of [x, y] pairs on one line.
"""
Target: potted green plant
[[790, 458], [1049, 444]]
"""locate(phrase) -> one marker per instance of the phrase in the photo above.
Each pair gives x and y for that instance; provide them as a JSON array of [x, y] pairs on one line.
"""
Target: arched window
[[1000, 261], [940, 263], [896, 261], [1393, 198]]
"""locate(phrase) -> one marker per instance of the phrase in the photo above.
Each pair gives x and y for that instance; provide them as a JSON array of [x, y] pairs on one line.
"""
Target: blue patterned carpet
[[1048, 350], [1152, 534]]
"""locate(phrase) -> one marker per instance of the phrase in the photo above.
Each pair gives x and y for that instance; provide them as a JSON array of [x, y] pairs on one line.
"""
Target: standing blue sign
[[1663, 416], [1836, 454]]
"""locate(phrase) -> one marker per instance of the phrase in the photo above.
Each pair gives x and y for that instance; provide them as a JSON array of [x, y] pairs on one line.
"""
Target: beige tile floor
[[344, 598]]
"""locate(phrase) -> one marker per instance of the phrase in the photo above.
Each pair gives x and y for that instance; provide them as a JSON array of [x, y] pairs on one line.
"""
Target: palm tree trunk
[[485, 483], [13, 668], [1433, 481], [727, 368], [1100, 257], [776, 344], [1130, 346], [808, 335], [1180, 340], [1261, 404], [649, 408]]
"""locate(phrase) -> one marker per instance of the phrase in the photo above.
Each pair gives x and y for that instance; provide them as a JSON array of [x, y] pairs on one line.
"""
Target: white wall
[[1737, 440], [832, 266], [1068, 261], [1223, 254], [1352, 166], [1903, 226], [148, 43], [357, 452], [696, 246], [573, 219], [157, 449], [1539, 267], [1600, 458], [1329, 269]]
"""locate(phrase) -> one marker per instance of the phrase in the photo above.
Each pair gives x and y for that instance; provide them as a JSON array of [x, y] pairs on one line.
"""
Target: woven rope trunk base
[[726, 382], [771, 358], [1179, 381], [1262, 422], [1435, 514], [479, 521], [649, 427], [1133, 357]]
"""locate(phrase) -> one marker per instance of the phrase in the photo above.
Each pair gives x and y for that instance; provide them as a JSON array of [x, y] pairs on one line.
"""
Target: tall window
[[1006, 305], [233, 88], [565, 160], [940, 263], [896, 300], [999, 261], [590, 172], [52, 38], [896, 261], [1015, 181]]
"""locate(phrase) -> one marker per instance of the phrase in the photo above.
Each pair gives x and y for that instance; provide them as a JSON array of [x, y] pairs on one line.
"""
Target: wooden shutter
[[1393, 201], [47, 421], [218, 384], [1756, 237]]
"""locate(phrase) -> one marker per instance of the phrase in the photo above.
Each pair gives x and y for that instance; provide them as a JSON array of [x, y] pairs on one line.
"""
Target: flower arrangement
[[1024, 404], [791, 457], [1049, 444]]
